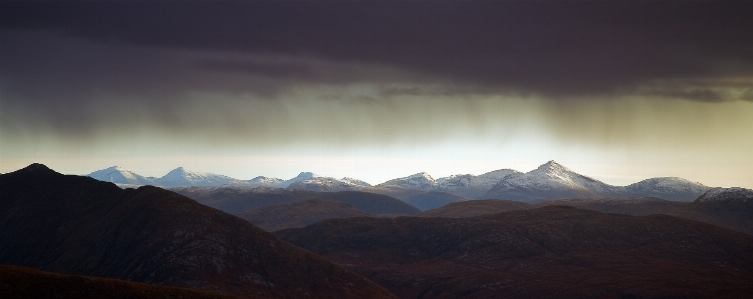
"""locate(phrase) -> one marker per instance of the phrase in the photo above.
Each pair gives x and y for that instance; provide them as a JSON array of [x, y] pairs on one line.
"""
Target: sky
[[617, 90]]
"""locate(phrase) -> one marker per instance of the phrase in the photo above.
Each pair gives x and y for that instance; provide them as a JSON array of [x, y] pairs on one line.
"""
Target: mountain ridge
[[80, 225]]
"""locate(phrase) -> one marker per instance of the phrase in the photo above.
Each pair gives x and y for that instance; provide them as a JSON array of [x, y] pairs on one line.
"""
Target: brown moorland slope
[[239, 199], [473, 208], [21, 283], [300, 214], [550, 252], [730, 213], [78, 225], [432, 200]]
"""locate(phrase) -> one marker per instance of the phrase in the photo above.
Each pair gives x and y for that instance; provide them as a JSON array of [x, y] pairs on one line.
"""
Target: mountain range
[[549, 181], [93, 239]]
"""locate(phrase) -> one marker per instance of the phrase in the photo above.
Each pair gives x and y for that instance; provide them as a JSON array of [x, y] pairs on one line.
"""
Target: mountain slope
[[549, 181], [551, 252], [420, 181], [731, 209], [21, 283], [727, 207], [669, 188], [82, 226], [471, 186], [262, 181], [473, 208], [236, 199], [432, 200], [119, 175], [299, 214], [181, 177], [325, 184], [300, 177]]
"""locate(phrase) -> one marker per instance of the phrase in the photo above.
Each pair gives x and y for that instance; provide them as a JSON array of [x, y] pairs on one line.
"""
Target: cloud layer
[[614, 74]]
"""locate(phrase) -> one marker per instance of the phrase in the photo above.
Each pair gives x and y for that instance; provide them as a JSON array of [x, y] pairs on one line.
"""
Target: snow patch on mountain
[[265, 181], [471, 186], [669, 188], [324, 184], [181, 177], [734, 194], [549, 181], [355, 182], [420, 181], [119, 175]]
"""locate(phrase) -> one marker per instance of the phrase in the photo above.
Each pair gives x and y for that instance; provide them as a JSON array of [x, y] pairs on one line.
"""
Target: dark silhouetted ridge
[[35, 168]]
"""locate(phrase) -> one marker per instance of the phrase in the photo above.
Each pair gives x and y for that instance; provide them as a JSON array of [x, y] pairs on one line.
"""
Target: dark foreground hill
[[474, 208], [78, 225], [235, 199], [22, 283], [550, 252], [300, 214]]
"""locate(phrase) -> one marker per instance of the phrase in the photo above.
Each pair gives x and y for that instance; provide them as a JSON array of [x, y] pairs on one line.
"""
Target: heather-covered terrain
[[300, 214], [235, 199], [474, 208], [78, 225], [22, 283], [549, 252]]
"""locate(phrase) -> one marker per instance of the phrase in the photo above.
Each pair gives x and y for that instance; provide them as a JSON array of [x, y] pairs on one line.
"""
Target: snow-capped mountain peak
[[735, 194], [669, 188], [179, 177], [419, 181], [118, 175], [355, 182], [307, 175], [552, 168], [265, 181]]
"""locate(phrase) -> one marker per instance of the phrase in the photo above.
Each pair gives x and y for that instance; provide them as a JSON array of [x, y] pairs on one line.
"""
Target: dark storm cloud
[[371, 71], [551, 48]]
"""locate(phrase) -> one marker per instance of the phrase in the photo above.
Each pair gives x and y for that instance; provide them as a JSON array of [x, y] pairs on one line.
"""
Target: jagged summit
[[551, 167], [307, 175]]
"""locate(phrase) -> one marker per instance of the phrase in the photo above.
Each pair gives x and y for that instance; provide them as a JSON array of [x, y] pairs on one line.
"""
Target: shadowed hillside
[[474, 208], [237, 199], [550, 252], [299, 214], [78, 225], [21, 283], [730, 213], [432, 200]]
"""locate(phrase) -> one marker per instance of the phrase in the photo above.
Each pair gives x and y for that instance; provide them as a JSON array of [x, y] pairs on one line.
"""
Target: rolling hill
[[82, 226], [549, 252]]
